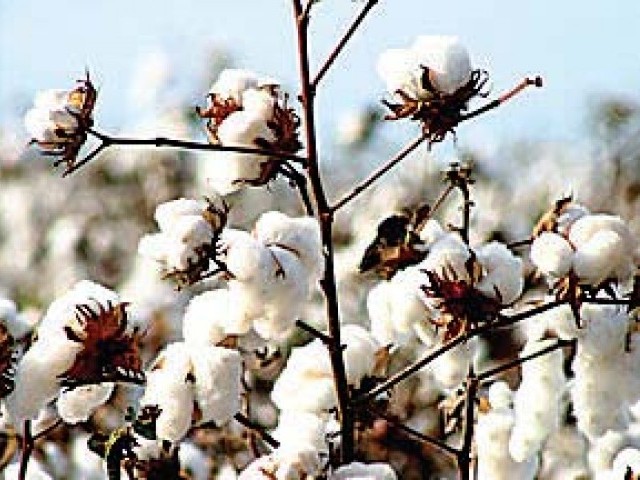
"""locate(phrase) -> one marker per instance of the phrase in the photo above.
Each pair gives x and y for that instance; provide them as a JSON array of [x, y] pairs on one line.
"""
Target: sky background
[[581, 48]]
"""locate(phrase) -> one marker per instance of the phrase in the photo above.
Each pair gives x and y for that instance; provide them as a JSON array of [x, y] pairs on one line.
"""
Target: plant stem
[[325, 218], [366, 183], [27, 449], [249, 425], [464, 455], [343, 42]]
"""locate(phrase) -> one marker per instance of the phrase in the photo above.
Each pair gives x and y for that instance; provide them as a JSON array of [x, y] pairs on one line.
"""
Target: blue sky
[[580, 48]]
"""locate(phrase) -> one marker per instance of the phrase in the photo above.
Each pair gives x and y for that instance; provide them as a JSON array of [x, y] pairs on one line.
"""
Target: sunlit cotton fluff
[[364, 471], [77, 405], [273, 272], [537, 402], [183, 229], [445, 57], [397, 310], [502, 274], [306, 383], [595, 247], [493, 432], [287, 462], [301, 428], [193, 384]]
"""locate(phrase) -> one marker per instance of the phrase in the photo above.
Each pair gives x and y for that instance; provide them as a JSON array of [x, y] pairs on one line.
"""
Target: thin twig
[[300, 182], [257, 429], [606, 301], [314, 332], [343, 42], [45, 432], [325, 217], [503, 321], [520, 360], [416, 434], [537, 81], [366, 183], [520, 243]]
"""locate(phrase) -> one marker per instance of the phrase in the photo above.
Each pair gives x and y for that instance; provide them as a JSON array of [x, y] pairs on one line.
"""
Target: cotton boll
[[448, 256], [561, 320], [597, 259], [17, 325], [629, 457], [364, 471], [297, 428], [247, 258], [259, 101], [569, 215], [232, 82], [36, 378], [398, 69], [552, 254], [168, 213], [500, 396], [218, 373], [302, 235], [502, 272], [359, 354], [306, 382], [243, 127], [431, 232], [493, 432], [537, 402], [604, 331], [447, 59], [77, 405], [207, 319]]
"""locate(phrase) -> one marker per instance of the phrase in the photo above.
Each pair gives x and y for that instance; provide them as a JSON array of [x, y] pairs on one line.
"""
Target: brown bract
[[441, 112], [109, 353]]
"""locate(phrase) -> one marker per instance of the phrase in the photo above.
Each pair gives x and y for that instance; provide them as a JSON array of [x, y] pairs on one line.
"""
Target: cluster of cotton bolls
[[594, 247], [64, 351]]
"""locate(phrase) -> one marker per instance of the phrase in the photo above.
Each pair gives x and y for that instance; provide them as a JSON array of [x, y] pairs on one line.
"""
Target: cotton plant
[[263, 368]]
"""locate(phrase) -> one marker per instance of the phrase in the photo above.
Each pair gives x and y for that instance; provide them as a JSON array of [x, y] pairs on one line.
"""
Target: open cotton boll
[[359, 353], [494, 462], [243, 127], [570, 213], [247, 258], [233, 82], [604, 331], [500, 396], [174, 395], [298, 428], [306, 382], [398, 68], [552, 254], [218, 373], [451, 368], [301, 235], [537, 402], [447, 59], [364, 471], [260, 101], [168, 213], [600, 257], [207, 318], [395, 307], [77, 405], [36, 377], [502, 272], [448, 256], [431, 232]]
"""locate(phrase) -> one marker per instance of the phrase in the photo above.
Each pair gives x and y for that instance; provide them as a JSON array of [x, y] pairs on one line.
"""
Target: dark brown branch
[[520, 360], [606, 301], [343, 42], [520, 243], [537, 81], [464, 454], [366, 183], [300, 182], [258, 430], [325, 217], [45, 432], [503, 321], [418, 435], [28, 445]]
